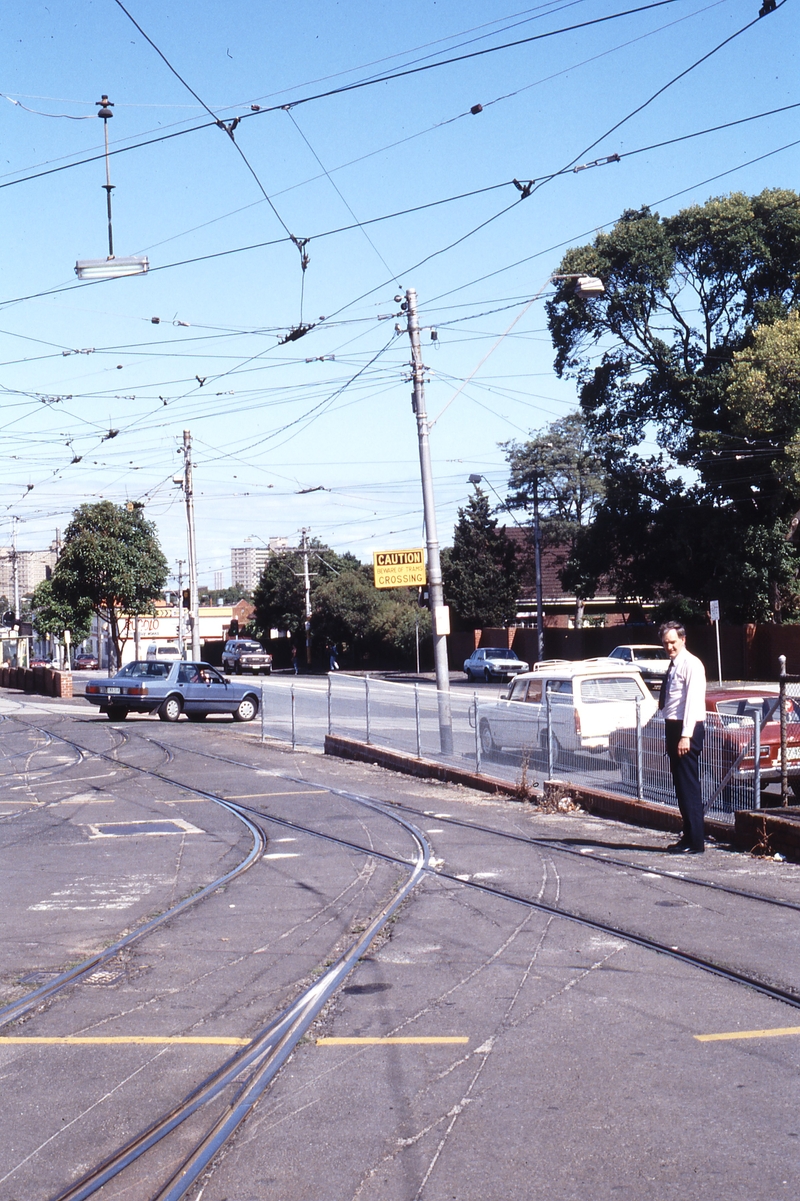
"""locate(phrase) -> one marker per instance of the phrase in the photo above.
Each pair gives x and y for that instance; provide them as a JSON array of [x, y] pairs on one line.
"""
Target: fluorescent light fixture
[[111, 268]]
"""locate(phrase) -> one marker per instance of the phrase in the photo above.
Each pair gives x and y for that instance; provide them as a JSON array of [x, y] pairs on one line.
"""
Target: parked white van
[[587, 700], [163, 652]]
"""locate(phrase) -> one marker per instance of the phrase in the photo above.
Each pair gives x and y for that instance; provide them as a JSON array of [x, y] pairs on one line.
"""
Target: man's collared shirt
[[685, 692]]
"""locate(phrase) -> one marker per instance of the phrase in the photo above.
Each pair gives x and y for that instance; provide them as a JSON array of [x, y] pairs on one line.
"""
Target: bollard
[[263, 715], [330, 721], [294, 731], [416, 720], [639, 763], [477, 735], [782, 702], [366, 703]]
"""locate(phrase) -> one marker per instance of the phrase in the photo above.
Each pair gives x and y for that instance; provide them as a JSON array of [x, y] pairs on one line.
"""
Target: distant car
[[652, 661], [85, 661], [730, 718], [245, 654], [162, 652], [587, 700], [40, 661], [493, 663], [170, 689]]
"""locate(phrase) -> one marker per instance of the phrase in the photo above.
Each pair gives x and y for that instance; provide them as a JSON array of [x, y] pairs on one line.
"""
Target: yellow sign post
[[399, 568]]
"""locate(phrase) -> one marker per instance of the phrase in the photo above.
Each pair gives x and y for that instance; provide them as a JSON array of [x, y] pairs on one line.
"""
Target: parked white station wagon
[[588, 699]]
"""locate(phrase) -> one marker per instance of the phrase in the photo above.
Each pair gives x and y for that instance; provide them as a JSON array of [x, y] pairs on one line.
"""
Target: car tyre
[[116, 713], [171, 709], [226, 667], [487, 675], [248, 708], [488, 746], [267, 671], [238, 668]]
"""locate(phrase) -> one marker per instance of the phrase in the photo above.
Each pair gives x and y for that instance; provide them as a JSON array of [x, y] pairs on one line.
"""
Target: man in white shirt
[[683, 703]]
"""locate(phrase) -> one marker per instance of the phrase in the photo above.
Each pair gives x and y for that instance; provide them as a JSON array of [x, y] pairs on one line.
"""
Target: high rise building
[[248, 562]]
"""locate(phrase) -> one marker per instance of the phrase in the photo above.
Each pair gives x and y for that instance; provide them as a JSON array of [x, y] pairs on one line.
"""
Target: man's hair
[[672, 625]]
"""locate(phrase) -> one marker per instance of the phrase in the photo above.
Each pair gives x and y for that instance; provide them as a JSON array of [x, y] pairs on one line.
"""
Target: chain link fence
[[409, 717]]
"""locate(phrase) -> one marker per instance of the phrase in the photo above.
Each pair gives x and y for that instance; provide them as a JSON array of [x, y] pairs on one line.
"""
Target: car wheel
[[197, 716], [238, 668], [248, 707], [488, 746], [267, 671], [171, 709], [487, 675], [116, 713], [226, 667]]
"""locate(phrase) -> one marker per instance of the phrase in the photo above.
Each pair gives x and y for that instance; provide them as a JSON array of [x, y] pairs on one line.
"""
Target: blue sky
[[330, 411]]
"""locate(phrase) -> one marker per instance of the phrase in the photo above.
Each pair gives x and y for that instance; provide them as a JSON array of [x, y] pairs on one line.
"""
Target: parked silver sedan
[[169, 689]]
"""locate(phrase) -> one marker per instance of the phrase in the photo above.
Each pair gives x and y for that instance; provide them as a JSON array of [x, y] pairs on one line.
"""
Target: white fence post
[[294, 732], [416, 720], [366, 704]]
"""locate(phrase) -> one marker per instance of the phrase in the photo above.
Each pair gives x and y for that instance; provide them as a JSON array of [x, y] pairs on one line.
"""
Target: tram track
[[260, 1061]]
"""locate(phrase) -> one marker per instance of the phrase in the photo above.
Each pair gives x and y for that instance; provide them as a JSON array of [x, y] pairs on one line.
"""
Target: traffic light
[[422, 598], [9, 621], [186, 598]]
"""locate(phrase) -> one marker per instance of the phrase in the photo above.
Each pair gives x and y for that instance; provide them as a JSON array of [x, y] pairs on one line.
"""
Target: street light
[[111, 267]]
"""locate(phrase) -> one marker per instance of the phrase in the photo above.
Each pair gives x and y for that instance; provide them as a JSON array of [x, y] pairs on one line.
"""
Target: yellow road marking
[[369, 1042], [777, 1032], [148, 1039]]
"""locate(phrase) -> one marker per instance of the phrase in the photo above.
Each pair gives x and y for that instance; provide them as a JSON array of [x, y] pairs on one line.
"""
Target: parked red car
[[85, 661], [730, 718]]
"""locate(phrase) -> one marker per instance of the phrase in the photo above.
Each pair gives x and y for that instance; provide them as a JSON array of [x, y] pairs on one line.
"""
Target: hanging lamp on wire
[[111, 267]]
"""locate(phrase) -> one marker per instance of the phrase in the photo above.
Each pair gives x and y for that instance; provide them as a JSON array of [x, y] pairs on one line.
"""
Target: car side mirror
[[505, 695]]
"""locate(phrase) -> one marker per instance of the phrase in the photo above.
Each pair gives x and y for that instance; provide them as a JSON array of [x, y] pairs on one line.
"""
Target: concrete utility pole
[[15, 565], [537, 560], [194, 616], [439, 612], [307, 592], [180, 563]]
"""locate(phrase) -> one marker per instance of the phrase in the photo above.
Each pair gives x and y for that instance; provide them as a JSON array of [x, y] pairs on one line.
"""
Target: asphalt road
[[484, 1045]]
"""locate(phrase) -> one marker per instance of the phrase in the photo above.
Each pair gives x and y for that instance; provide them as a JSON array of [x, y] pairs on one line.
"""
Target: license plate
[[117, 691], [793, 752]]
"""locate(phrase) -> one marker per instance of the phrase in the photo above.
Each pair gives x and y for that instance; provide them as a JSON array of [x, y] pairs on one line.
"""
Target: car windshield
[[497, 652], [140, 668], [746, 708], [650, 652], [250, 646]]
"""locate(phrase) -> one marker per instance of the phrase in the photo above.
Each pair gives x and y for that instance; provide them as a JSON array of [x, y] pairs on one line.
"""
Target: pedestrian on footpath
[[294, 659], [682, 700], [334, 664]]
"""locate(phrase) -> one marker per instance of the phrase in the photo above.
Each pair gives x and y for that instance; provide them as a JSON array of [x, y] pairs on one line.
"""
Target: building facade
[[33, 566]]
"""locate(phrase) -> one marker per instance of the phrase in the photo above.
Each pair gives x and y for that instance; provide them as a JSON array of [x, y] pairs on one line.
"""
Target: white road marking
[[86, 893]]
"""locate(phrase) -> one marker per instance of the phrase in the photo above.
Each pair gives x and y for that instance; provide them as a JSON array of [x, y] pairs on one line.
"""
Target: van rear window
[[610, 688]]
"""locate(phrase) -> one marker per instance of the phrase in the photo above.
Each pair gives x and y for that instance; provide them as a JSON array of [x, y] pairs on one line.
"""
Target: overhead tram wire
[[437, 203], [229, 128], [670, 83], [359, 84]]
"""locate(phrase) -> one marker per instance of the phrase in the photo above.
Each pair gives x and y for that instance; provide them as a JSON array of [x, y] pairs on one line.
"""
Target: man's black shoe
[[701, 850], [679, 847]]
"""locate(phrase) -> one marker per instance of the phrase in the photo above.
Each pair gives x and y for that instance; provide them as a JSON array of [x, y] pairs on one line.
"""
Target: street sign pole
[[713, 610]]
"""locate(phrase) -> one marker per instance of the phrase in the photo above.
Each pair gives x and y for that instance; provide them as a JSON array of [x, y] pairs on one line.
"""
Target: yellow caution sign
[[399, 568]]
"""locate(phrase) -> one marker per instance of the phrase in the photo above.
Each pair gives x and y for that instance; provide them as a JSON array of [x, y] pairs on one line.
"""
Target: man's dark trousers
[[686, 778]]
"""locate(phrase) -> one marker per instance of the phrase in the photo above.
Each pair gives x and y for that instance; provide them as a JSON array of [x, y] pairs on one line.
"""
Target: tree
[[481, 580], [52, 616], [684, 297], [562, 469], [111, 562]]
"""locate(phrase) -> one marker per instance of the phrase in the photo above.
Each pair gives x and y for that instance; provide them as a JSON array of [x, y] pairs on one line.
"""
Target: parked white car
[[493, 663], [652, 661], [587, 699]]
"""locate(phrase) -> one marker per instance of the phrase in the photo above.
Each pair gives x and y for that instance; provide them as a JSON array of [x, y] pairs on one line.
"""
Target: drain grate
[[174, 825]]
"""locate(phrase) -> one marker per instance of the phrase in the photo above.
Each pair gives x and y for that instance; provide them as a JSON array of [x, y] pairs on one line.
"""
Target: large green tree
[[52, 616], [653, 356], [111, 562], [562, 469], [481, 578]]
